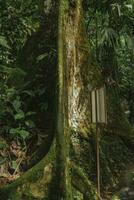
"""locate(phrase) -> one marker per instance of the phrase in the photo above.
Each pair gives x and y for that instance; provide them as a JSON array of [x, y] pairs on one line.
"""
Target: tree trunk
[[52, 178]]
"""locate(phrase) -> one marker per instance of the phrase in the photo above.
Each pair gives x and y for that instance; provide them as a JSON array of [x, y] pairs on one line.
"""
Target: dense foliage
[[18, 21], [20, 95], [110, 25]]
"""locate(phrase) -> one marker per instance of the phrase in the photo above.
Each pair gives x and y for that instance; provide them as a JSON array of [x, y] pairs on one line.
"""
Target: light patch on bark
[[76, 61], [40, 189]]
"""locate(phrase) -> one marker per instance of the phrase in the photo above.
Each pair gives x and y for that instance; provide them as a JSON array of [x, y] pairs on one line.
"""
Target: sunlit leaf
[[30, 124], [3, 42], [19, 116], [30, 113], [41, 57], [24, 134], [17, 104], [14, 164]]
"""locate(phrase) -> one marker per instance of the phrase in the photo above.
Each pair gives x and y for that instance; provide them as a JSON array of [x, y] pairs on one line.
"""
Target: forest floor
[[14, 159], [11, 157], [15, 156]]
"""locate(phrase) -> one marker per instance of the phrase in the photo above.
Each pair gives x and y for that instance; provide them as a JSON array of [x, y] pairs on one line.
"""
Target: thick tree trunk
[[52, 178]]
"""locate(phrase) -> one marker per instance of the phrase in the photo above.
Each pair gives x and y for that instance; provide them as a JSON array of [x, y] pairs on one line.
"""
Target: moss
[[62, 130], [115, 197], [83, 184]]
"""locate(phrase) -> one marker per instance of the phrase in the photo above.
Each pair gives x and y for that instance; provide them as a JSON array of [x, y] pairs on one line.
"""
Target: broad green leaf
[[19, 116], [16, 72], [129, 6], [3, 145], [17, 105], [14, 164], [24, 134], [14, 131], [41, 57], [10, 92], [30, 124], [30, 113], [12, 71], [3, 42]]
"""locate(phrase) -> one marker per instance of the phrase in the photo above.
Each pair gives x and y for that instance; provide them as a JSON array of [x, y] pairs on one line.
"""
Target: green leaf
[[15, 72], [12, 71], [28, 92], [3, 42], [30, 124], [16, 104], [41, 57], [14, 164], [19, 116], [129, 6], [3, 145], [10, 92], [24, 134], [30, 113], [14, 131]]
